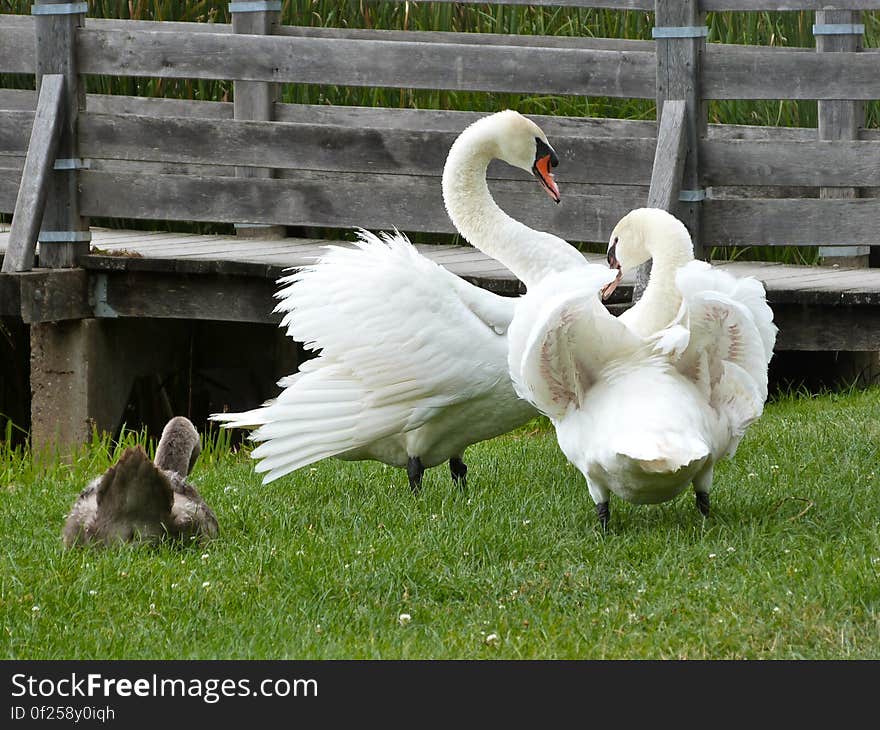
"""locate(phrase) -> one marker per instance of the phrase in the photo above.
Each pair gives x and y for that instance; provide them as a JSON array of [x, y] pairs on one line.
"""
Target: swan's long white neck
[[529, 254], [670, 248]]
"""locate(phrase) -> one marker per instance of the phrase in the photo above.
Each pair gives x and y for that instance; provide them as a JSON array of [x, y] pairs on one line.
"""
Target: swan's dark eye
[[612, 252], [542, 149]]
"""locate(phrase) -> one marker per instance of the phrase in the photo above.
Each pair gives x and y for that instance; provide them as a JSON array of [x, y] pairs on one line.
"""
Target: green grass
[[323, 563]]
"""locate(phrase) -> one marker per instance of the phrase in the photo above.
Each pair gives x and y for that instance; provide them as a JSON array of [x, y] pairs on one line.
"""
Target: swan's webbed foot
[[603, 511], [415, 470], [703, 503], [458, 469]]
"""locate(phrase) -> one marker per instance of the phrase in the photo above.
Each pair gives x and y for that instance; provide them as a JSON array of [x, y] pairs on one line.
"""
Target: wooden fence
[[382, 165]]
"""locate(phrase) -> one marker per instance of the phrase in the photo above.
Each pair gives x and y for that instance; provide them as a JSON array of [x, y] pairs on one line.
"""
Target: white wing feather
[[562, 337], [729, 341], [399, 337]]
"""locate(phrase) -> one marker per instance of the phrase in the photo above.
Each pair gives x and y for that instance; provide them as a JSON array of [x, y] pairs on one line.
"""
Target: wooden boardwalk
[[224, 277]]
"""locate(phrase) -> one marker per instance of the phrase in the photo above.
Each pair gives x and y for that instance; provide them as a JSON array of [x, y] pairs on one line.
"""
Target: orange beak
[[608, 290], [541, 168]]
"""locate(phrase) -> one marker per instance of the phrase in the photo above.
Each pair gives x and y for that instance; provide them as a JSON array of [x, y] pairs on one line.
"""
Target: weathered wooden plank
[[411, 119], [10, 181], [782, 73], [479, 39], [15, 127], [16, 50], [669, 157], [163, 296], [817, 328], [338, 148], [760, 162], [784, 222], [52, 295], [31, 201], [752, 5], [667, 172], [342, 200], [346, 62], [610, 4]]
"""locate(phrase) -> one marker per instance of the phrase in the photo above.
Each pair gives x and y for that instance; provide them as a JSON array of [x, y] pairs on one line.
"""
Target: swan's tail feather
[[667, 453]]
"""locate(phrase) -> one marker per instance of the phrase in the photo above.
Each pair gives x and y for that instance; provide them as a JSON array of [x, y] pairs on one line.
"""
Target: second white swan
[[646, 404]]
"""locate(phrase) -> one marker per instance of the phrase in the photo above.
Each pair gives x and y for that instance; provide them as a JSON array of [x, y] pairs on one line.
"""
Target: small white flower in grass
[[711, 556], [206, 584], [404, 619], [500, 606], [35, 609], [205, 556], [731, 549], [435, 517], [526, 522], [93, 592], [774, 467], [776, 609], [174, 585], [786, 551], [492, 640], [751, 475]]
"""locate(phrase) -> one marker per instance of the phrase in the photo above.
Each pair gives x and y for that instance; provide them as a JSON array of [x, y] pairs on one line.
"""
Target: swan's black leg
[[459, 472], [703, 503], [414, 471], [603, 511]]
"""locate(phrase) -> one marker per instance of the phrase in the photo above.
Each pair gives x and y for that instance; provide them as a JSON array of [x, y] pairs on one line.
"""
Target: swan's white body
[[413, 361], [645, 404]]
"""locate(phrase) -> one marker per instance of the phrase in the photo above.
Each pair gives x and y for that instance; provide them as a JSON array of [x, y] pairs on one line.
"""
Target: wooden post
[[668, 157], [35, 176], [836, 31], [255, 100], [680, 37], [65, 233]]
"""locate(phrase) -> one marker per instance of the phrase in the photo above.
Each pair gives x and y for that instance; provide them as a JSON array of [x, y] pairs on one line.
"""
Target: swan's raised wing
[[562, 337], [723, 340], [400, 337]]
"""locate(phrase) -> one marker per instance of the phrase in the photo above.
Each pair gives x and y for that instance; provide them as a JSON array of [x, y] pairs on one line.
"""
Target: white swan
[[645, 404], [413, 361]]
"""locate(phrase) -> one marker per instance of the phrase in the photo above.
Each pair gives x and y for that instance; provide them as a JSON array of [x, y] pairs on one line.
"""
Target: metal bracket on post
[[838, 29], [64, 236], [60, 9], [256, 7], [101, 306], [685, 31], [692, 196], [72, 163]]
